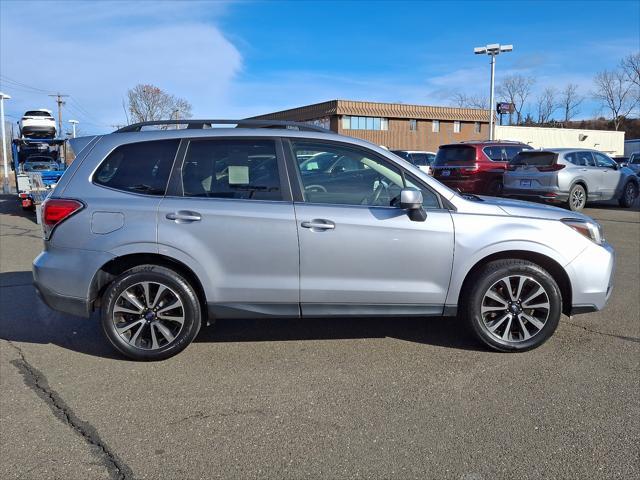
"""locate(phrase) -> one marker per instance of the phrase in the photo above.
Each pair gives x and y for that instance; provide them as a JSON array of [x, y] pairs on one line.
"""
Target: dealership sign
[[505, 107]]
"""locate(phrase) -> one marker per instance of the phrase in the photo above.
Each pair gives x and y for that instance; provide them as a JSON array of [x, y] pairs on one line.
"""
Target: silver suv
[[569, 176], [164, 231]]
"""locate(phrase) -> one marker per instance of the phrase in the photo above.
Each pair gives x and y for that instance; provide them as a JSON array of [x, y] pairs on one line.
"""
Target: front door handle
[[184, 216], [319, 224]]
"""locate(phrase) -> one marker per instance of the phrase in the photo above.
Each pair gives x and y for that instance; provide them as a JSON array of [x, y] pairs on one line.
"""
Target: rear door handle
[[318, 224], [184, 216]]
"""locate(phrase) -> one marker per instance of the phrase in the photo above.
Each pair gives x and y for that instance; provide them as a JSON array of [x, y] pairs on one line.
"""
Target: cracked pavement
[[368, 398]]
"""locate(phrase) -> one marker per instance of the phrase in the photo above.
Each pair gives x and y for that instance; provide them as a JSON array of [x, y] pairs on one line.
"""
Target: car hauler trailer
[[32, 186]]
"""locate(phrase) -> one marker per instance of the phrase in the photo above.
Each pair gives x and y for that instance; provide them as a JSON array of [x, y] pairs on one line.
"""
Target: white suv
[[38, 124]]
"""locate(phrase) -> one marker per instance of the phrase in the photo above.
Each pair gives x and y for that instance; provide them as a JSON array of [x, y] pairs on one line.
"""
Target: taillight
[[57, 210], [550, 168]]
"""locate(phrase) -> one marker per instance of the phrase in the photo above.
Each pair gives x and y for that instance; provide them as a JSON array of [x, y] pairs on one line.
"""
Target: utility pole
[[60, 103], [176, 111]]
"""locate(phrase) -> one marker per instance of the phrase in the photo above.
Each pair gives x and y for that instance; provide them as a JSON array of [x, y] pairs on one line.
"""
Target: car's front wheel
[[513, 305], [150, 313]]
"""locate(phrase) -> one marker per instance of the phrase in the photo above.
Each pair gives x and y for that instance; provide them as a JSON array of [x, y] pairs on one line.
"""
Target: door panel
[[248, 249], [231, 215], [610, 175], [374, 255]]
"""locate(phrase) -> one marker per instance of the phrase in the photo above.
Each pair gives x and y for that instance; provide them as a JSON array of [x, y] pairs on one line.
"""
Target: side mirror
[[410, 199]]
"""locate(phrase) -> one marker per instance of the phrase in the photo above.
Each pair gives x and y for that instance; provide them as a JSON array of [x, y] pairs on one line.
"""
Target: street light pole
[[5, 181], [73, 126], [492, 50]]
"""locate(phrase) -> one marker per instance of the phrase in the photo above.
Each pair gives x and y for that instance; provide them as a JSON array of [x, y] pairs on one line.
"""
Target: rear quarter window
[[142, 167]]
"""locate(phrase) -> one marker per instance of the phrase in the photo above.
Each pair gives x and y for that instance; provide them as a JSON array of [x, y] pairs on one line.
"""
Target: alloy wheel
[[148, 315], [515, 308], [577, 199]]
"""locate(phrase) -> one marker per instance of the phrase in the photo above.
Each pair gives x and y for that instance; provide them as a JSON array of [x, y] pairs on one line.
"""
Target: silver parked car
[[569, 176], [163, 231]]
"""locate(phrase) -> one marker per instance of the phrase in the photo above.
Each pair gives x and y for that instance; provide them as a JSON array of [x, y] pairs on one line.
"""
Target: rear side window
[[142, 167], [455, 154], [580, 158], [535, 158], [242, 169]]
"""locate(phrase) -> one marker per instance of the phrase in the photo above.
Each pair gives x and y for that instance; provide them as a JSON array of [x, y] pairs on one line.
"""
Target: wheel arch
[[118, 265], [549, 264]]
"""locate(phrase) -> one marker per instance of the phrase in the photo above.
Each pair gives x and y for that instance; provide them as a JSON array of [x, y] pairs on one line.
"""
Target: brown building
[[394, 125]]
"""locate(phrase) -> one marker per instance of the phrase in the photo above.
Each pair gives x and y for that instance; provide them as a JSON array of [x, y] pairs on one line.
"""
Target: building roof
[[378, 109]]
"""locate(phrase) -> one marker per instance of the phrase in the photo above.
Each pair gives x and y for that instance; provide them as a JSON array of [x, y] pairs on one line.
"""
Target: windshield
[[455, 153], [534, 158], [36, 113], [37, 166]]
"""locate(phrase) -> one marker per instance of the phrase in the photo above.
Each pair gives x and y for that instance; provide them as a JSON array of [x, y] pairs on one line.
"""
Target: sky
[[241, 58]]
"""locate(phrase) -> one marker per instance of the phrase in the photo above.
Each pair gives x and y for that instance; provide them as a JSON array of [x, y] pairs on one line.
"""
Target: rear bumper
[[548, 195], [79, 307], [592, 273], [63, 278]]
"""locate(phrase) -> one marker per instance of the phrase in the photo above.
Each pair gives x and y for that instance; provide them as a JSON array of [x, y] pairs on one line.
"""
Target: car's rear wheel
[[495, 187], [577, 198], [514, 305], [629, 195], [150, 313]]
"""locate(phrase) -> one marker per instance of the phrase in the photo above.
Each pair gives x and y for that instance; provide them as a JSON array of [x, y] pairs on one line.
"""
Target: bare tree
[[546, 105], [631, 67], [462, 100], [148, 102], [515, 89], [616, 94], [569, 101]]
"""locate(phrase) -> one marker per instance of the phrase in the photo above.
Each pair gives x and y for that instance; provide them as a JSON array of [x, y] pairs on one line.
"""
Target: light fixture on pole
[[492, 50], [73, 126], [5, 180]]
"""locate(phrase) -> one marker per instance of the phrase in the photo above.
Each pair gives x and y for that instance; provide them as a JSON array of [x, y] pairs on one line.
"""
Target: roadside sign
[[505, 107]]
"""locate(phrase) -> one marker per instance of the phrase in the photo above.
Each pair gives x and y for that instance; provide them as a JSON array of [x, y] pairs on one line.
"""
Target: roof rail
[[248, 123], [497, 140]]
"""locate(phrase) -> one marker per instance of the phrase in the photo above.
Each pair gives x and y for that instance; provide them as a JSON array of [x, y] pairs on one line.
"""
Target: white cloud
[[98, 60]]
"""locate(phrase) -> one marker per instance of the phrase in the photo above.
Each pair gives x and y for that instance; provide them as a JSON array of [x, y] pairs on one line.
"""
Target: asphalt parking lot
[[367, 398]]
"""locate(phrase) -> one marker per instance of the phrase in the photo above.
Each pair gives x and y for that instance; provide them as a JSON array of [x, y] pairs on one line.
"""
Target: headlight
[[591, 230]]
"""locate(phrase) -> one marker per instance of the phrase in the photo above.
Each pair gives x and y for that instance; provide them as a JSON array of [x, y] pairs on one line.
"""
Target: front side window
[[603, 161], [240, 169], [368, 180], [142, 167], [456, 127], [435, 126]]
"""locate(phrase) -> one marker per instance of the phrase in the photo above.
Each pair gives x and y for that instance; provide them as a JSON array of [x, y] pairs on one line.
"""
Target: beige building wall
[[607, 141]]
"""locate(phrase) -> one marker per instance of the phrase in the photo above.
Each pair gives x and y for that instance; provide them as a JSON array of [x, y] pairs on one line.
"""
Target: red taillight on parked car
[[56, 210], [551, 168]]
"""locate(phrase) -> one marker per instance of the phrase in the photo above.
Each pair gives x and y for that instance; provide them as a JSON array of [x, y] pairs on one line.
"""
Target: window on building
[[413, 125], [456, 126], [477, 127], [244, 169], [364, 123], [435, 126]]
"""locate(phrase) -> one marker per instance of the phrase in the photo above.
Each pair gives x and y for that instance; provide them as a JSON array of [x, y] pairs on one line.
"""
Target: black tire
[[176, 288], [577, 198], [480, 323], [629, 194], [495, 187]]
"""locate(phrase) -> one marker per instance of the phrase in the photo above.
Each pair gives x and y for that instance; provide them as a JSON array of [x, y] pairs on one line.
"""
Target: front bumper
[[592, 274]]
